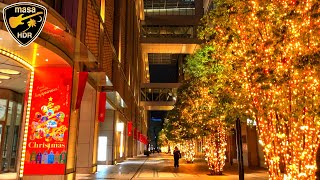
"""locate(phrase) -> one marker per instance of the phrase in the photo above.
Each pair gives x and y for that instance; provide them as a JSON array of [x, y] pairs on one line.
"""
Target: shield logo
[[24, 21]]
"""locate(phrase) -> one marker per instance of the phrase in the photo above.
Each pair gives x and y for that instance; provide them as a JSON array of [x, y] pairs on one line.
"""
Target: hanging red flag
[[102, 106], [83, 76], [130, 128]]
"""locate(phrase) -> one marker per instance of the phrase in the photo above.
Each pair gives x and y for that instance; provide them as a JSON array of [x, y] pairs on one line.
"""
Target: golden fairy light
[[274, 48], [215, 148], [189, 151]]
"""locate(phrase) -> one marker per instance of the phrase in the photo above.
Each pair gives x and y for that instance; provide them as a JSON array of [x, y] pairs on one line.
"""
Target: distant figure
[[176, 156]]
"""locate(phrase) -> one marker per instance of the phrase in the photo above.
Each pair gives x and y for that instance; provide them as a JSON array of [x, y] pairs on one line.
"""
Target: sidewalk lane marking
[[137, 172]]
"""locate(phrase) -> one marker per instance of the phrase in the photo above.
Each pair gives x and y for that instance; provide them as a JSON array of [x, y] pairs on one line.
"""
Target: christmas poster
[[47, 138]]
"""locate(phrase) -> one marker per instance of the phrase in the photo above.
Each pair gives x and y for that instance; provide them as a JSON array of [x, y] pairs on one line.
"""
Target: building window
[[169, 7], [55, 4], [103, 10], [168, 31]]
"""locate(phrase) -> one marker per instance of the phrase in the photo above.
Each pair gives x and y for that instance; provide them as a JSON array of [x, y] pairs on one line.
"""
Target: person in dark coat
[[176, 156]]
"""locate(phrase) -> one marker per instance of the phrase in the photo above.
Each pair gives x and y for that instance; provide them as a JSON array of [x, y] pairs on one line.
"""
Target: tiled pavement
[[160, 166]]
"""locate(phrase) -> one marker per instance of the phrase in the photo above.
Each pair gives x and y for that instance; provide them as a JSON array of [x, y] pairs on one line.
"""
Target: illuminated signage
[[47, 138]]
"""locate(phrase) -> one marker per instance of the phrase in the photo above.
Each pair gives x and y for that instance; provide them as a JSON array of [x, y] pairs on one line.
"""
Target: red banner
[[102, 106], [143, 139], [83, 76], [129, 128], [47, 137]]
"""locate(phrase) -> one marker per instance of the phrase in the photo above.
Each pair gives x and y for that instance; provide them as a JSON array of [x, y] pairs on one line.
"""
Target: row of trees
[[261, 60]]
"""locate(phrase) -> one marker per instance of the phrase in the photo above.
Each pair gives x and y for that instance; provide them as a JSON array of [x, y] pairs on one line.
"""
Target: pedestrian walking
[[176, 156]]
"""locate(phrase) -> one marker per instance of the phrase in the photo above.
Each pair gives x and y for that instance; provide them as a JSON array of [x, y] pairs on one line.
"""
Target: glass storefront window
[[3, 109], [10, 108], [16, 133], [11, 113], [19, 114]]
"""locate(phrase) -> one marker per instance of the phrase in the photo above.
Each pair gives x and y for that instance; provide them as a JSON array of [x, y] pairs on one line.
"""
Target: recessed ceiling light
[[9, 71], [38, 54], [24, 81], [0, 82], [4, 77], [47, 60], [0, 38]]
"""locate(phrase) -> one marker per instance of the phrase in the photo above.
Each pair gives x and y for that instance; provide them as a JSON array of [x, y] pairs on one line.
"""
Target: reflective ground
[[160, 166]]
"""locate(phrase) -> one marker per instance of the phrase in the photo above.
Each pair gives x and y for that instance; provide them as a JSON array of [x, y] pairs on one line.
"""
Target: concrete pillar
[[86, 143], [199, 8]]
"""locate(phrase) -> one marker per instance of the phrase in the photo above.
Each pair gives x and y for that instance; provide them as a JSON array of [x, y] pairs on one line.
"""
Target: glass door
[[11, 137], [3, 116]]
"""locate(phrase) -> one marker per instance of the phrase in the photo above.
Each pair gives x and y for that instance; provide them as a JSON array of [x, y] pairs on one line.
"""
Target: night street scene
[[160, 89]]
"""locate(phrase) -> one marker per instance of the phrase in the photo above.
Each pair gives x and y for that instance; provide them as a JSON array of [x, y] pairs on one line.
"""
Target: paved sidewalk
[[160, 166]]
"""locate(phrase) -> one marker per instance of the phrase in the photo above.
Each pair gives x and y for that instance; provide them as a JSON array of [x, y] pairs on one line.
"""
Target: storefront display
[[49, 121]]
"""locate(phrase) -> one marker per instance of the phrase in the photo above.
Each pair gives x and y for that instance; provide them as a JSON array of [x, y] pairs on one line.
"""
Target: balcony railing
[[168, 31], [158, 94]]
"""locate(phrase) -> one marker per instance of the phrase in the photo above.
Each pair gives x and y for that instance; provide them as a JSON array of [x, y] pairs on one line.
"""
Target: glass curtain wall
[[169, 7]]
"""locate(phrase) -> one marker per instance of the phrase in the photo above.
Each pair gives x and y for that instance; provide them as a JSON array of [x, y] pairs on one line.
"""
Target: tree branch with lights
[[274, 46]]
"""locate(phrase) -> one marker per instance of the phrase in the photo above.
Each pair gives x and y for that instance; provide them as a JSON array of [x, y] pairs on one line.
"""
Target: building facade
[[70, 100]]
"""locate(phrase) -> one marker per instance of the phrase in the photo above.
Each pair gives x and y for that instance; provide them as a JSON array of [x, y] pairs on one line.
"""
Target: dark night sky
[[155, 126], [160, 73]]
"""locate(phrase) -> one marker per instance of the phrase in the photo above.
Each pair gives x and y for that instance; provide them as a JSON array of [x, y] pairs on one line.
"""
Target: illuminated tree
[[274, 48], [218, 99], [215, 148]]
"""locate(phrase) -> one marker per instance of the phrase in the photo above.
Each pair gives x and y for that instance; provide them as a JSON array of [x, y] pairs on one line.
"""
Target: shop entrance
[[10, 133], [13, 78]]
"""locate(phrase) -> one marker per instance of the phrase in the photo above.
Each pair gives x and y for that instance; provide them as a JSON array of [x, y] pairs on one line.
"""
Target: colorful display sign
[[47, 139]]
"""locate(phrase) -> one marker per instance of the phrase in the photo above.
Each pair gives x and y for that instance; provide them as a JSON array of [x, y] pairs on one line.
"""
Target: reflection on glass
[[7, 137], [16, 133], [19, 113], [3, 108], [9, 119]]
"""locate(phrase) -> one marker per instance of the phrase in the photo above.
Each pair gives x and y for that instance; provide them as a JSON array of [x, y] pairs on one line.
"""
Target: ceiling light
[[0, 82], [9, 71], [0, 38], [4, 77], [38, 54], [47, 60]]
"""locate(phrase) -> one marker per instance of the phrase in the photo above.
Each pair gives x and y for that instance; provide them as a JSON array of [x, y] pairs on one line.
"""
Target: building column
[[85, 146]]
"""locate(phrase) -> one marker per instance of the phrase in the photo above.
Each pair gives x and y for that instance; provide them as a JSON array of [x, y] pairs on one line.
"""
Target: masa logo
[[24, 21]]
